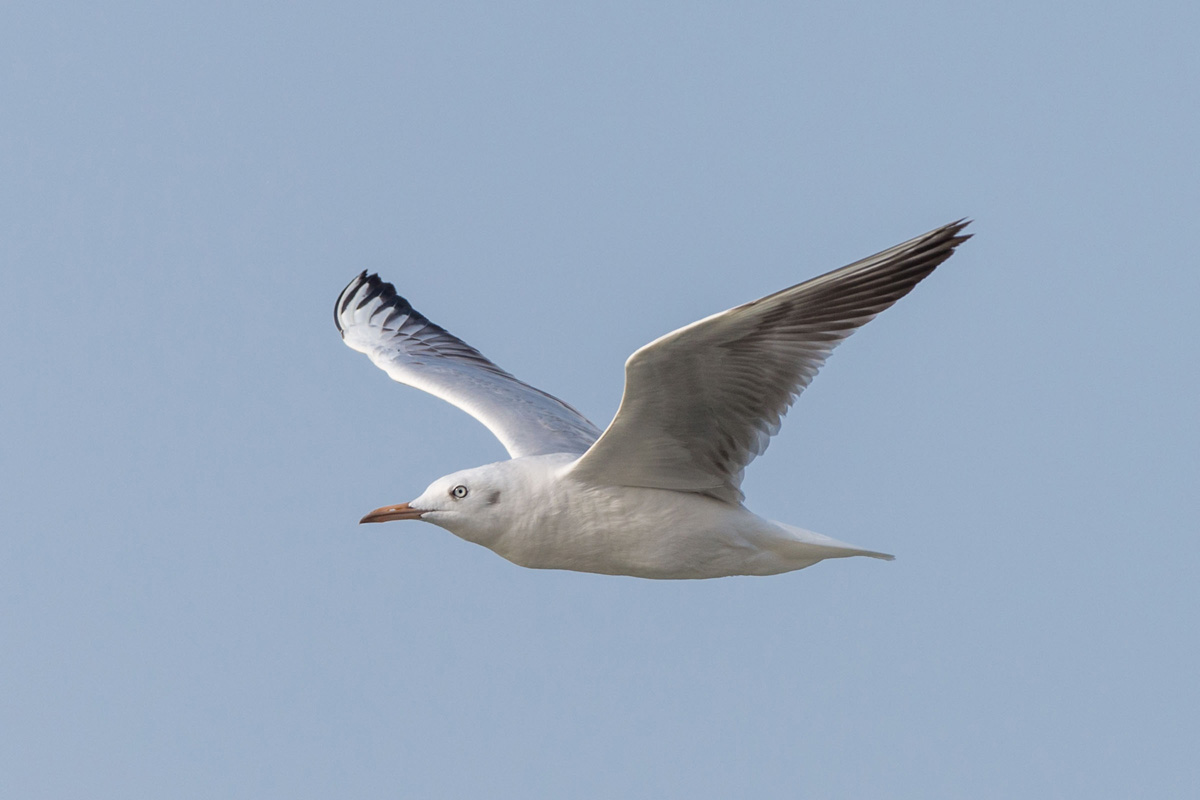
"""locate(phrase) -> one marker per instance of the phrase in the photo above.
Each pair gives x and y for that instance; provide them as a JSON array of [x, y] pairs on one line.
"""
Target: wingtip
[[369, 291], [944, 240], [348, 293], [344, 297], [955, 230]]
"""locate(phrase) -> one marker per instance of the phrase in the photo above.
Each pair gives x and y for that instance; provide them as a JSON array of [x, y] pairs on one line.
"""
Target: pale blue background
[[187, 605]]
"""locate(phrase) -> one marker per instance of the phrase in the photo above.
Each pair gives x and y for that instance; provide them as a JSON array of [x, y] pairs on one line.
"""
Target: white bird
[[657, 494]]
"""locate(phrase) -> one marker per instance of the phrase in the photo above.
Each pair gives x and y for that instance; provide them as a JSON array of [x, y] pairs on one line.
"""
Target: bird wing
[[702, 402], [373, 319]]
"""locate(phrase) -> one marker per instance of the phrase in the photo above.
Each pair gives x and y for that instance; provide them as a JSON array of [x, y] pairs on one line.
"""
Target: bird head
[[472, 503]]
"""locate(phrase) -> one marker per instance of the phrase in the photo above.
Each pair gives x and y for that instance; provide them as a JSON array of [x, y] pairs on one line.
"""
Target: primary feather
[[374, 320], [702, 402]]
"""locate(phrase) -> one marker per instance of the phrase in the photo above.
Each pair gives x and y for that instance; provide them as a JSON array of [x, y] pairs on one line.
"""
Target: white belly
[[646, 533]]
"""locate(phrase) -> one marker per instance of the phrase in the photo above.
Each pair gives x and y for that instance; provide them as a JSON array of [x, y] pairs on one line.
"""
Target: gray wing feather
[[374, 320], [702, 402]]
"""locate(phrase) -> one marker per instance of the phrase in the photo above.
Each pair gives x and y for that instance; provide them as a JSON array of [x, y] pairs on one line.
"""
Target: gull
[[657, 494]]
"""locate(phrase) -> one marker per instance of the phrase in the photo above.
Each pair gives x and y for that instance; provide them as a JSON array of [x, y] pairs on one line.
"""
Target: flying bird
[[657, 494]]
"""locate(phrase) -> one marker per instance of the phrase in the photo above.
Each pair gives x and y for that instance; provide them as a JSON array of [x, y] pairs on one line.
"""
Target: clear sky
[[188, 607]]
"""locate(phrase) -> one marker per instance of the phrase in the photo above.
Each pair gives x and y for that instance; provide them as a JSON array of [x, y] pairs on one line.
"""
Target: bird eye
[[459, 491]]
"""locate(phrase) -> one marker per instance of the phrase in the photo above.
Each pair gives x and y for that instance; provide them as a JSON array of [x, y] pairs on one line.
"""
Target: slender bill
[[389, 513]]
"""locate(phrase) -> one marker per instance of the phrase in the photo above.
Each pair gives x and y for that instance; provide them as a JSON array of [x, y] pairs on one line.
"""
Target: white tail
[[820, 546]]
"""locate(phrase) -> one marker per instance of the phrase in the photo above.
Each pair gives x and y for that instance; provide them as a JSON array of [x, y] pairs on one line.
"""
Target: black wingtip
[[954, 229], [365, 288], [939, 243], [343, 299]]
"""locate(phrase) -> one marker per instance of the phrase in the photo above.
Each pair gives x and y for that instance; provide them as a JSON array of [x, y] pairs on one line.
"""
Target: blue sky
[[187, 605]]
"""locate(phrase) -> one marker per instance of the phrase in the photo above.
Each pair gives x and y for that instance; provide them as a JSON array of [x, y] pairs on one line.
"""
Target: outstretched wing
[[373, 319], [702, 402]]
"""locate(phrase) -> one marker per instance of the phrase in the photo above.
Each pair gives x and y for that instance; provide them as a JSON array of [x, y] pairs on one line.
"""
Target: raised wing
[[373, 319], [702, 402]]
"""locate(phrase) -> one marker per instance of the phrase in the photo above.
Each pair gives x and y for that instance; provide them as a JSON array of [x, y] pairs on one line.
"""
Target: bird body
[[534, 513], [658, 493]]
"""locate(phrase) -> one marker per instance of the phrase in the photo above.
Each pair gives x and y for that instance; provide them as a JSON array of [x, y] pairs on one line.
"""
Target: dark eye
[[459, 491]]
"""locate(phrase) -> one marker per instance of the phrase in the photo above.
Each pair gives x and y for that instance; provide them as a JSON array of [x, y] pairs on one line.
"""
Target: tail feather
[[822, 546]]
